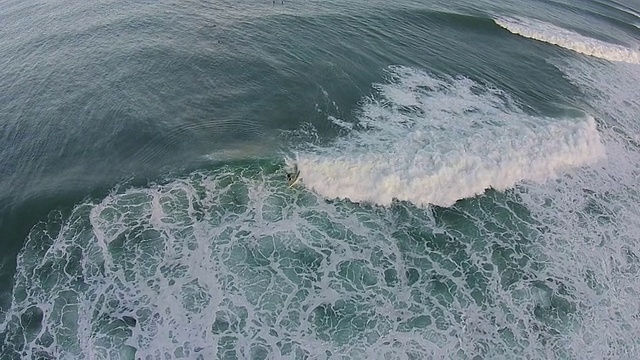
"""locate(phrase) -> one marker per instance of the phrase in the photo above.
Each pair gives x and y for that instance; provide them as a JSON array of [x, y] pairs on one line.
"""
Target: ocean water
[[469, 179]]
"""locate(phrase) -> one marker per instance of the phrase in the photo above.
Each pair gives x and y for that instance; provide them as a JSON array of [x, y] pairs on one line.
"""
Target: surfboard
[[293, 177]]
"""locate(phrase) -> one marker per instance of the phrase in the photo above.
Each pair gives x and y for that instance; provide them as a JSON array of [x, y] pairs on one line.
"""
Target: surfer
[[292, 177]]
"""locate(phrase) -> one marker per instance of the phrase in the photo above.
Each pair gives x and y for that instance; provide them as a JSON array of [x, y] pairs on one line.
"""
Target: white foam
[[435, 141], [549, 33], [593, 219], [340, 123], [230, 263]]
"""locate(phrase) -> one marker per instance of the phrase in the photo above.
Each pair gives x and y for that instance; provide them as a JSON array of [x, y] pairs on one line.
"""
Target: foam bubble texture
[[231, 264], [545, 32], [434, 141], [593, 219]]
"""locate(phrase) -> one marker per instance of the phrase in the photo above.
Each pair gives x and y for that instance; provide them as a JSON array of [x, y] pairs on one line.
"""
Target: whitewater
[[568, 39], [429, 140]]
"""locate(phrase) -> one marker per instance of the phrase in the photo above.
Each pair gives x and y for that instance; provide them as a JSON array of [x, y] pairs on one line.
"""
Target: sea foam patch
[[593, 219], [549, 33], [432, 140], [231, 264]]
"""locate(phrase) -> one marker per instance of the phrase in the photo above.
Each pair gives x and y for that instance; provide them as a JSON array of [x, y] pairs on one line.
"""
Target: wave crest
[[434, 141], [545, 32]]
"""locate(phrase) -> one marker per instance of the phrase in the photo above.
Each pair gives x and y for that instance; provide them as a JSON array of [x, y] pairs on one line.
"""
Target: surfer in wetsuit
[[292, 177]]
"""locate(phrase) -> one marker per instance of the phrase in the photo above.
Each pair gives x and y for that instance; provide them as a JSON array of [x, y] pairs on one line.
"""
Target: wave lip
[[545, 32], [434, 141]]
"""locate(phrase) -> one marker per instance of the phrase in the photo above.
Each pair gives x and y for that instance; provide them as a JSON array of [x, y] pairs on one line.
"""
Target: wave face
[[545, 32], [431, 140]]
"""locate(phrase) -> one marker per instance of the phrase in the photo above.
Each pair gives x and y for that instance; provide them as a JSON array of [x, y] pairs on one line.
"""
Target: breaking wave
[[432, 140], [545, 32]]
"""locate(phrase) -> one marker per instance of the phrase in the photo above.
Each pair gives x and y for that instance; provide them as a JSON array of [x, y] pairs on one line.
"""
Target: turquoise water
[[468, 180]]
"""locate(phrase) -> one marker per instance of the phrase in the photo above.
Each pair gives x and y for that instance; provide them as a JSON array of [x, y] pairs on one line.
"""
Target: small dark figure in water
[[289, 178]]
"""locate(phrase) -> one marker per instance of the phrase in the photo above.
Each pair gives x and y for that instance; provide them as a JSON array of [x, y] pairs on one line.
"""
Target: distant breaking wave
[[429, 140], [542, 31]]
